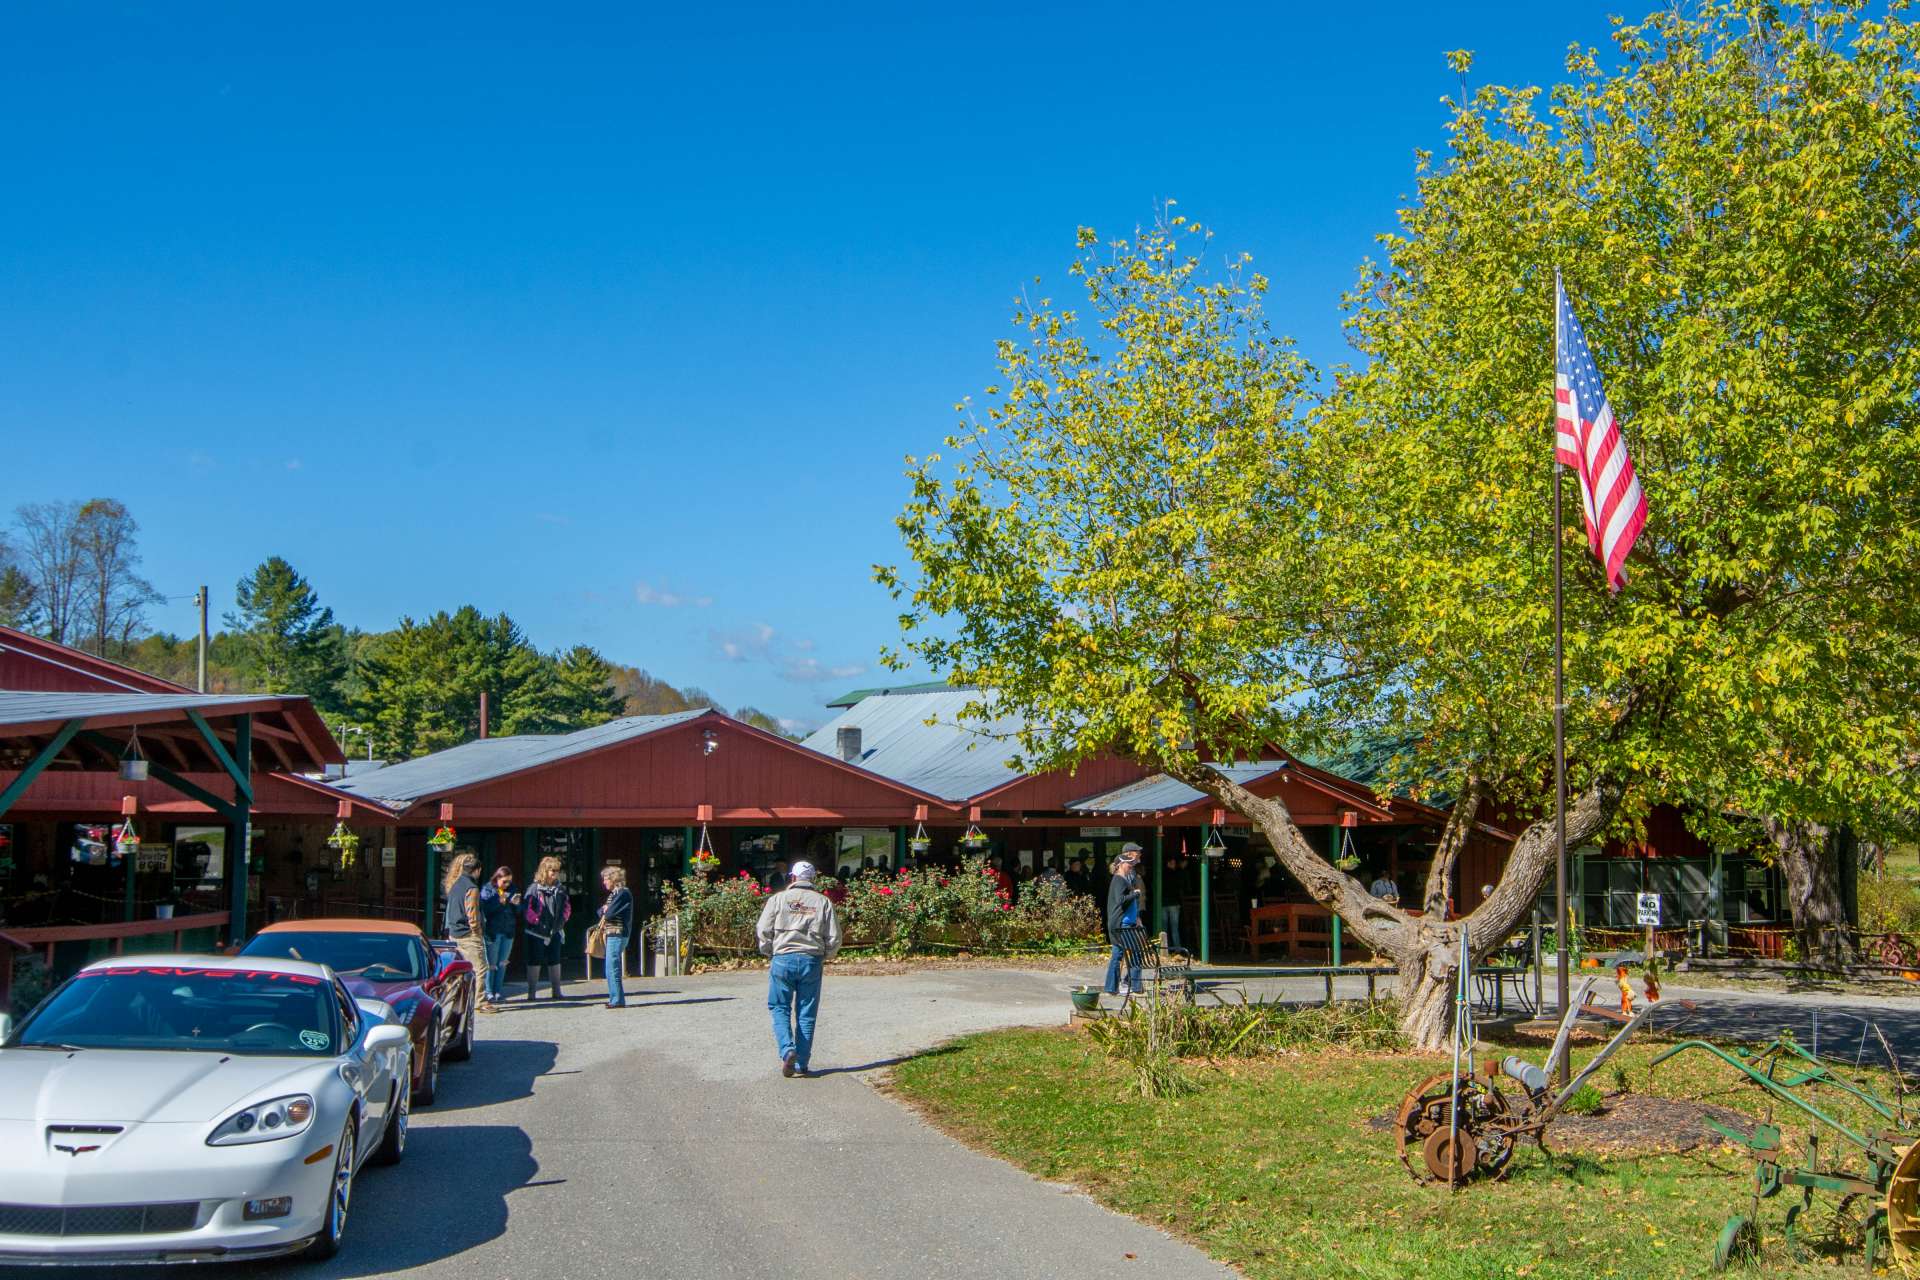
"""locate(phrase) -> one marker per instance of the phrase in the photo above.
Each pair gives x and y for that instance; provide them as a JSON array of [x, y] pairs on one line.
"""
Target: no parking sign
[[1648, 909]]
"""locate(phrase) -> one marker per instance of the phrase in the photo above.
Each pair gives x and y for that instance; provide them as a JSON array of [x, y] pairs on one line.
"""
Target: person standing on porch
[[1125, 895], [548, 909], [616, 915], [799, 931], [465, 925]]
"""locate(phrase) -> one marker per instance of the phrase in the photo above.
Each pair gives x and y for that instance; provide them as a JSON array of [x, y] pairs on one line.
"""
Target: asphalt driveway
[[662, 1141]]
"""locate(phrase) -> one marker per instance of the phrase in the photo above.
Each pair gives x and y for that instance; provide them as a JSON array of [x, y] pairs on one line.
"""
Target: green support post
[[431, 898], [1336, 939], [899, 847], [1159, 878], [130, 860], [686, 852], [18, 787], [1206, 908], [240, 767]]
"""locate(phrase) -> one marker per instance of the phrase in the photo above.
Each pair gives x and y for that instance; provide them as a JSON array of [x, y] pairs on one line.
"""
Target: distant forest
[[70, 571]]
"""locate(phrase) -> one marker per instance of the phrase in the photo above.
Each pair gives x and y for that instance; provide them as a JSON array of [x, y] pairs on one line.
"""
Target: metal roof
[[860, 695], [943, 758], [289, 734], [1160, 793], [38, 708], [402, 785]]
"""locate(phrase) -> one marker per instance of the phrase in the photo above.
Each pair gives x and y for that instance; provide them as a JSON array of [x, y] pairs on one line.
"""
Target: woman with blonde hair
[[547, 911], [463, 921], [616, 922]]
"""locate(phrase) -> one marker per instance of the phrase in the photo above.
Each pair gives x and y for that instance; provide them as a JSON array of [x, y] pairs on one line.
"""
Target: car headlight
[[265, 1121]]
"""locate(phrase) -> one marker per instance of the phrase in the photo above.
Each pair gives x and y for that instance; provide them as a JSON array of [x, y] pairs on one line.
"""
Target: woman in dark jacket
[[499, 916], [1125, 895], [616, 915], [546, 916]]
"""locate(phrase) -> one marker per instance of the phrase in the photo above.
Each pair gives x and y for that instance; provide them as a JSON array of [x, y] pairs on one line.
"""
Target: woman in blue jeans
[[499, 915], [1124, 895], [616, 913]]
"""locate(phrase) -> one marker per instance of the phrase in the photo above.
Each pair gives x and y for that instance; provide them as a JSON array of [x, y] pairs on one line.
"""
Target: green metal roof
[[931, 686]]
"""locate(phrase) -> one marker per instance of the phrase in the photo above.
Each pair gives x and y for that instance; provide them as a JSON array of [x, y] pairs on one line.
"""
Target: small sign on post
[[1647, 912]]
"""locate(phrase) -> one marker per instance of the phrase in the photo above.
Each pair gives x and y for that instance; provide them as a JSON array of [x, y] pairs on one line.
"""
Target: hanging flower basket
[[975, 838], [704, 859], [126, 841], [1214, 847], [920, 842], [1347, 862], [442, 840]]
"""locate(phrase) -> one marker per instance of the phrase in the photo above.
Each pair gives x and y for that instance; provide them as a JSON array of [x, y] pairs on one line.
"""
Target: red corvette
[[431, 990]]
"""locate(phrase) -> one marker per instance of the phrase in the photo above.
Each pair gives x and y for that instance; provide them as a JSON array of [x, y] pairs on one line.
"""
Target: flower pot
[[1085, 999], [163, 911]]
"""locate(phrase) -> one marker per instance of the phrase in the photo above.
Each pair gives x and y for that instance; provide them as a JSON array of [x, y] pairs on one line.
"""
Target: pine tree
[[583, 688], [287, 640]]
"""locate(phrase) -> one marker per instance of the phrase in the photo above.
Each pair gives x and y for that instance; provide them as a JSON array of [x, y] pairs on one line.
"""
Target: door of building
[[578, 849]]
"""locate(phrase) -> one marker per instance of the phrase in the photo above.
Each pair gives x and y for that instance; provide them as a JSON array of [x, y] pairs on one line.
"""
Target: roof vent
[[847, 739]]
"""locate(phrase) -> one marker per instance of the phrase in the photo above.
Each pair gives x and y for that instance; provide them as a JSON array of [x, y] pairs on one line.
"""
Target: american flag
[[1589, 441]]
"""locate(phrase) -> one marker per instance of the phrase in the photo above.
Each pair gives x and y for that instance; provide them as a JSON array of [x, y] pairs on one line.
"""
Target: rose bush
[[901, 912]]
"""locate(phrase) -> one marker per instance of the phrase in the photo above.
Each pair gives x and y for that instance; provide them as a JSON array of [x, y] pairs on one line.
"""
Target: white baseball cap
[[801, 873]]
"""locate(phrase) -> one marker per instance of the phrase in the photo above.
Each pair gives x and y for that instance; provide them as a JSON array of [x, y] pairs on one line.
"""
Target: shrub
[[902, 912], [1586, 1101], [1889, 904], [1252, 1030]]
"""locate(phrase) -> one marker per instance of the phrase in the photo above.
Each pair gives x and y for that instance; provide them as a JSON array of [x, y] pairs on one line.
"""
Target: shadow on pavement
[[865, 1066], [402, 1217], [661, 1004], [500, 1071], [1841, 1034]]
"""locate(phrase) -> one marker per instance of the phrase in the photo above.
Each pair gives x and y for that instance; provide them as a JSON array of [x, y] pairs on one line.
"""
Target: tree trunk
[[1425, 949], [1810, 864], [1452, 840]]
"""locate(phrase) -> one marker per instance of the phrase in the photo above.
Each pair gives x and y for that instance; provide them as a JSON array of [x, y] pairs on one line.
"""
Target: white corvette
[[194, 1108]]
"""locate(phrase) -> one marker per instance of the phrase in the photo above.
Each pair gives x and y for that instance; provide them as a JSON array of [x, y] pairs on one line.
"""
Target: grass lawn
[[1272, 1166]]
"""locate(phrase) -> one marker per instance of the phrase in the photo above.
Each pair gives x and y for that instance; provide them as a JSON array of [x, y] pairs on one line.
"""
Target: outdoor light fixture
[[133, 766], [709, 743]]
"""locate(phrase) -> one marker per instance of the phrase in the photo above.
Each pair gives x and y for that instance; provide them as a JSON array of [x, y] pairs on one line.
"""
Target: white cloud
[[294, 464], [812, 670], [663, 597]]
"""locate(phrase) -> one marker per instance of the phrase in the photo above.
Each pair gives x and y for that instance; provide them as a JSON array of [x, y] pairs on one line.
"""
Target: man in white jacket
[[800, 932]]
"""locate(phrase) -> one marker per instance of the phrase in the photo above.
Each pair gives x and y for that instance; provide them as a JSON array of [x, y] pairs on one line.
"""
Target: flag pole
[[1562, 922]]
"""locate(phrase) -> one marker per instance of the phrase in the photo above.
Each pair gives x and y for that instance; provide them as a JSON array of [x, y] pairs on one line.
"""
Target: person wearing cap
[[1124, 898], [800, 933]]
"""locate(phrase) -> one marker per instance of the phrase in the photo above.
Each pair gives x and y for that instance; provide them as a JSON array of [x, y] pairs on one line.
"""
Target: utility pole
[[200, 600]]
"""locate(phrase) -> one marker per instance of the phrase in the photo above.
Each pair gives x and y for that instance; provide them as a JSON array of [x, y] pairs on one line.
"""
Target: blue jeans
[[793, 997], [1127, 941], [616, 985], [499, 947], [1170, 925]]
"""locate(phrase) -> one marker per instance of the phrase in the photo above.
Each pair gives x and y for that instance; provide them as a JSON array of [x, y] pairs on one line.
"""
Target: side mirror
[[378, 1010], [387, 1038]]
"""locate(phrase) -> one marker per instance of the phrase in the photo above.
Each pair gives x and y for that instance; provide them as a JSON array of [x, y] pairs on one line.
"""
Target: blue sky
[[621, 319]]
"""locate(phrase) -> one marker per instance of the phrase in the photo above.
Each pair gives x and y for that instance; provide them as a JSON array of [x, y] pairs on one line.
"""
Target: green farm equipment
[[1880, 1202]]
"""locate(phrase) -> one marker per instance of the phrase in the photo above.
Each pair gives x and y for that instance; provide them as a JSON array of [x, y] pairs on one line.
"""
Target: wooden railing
[[45, 938]]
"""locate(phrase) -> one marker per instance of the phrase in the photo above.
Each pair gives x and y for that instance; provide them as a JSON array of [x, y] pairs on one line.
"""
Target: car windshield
[[381, 957], [239, 1011]]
